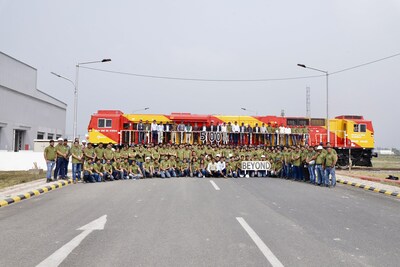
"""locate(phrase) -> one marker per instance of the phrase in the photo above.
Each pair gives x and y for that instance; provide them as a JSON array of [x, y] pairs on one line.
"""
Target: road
[[187, 222]]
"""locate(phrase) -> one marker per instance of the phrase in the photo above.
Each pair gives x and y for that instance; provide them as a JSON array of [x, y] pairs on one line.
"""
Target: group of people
[[108, 162], [270, 134]]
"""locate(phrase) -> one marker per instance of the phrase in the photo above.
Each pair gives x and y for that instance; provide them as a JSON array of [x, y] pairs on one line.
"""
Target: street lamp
[[254, 111], [327, 97], [144, 109], [76, 90]]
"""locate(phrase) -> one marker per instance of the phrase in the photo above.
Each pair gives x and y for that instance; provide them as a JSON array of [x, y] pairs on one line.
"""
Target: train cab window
[[317, 122], [360, 128], [126, 126], [104, 123]]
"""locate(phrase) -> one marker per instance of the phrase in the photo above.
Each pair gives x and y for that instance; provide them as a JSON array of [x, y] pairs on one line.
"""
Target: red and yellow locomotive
[[350, 135]]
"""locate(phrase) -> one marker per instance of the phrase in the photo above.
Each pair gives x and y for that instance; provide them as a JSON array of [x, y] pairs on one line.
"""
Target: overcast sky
[[229, 39]]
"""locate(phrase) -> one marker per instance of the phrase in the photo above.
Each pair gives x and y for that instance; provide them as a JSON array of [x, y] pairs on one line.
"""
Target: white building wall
[[23, 107]]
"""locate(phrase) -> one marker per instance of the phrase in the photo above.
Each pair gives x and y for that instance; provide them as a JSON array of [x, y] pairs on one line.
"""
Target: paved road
[[187, 222]]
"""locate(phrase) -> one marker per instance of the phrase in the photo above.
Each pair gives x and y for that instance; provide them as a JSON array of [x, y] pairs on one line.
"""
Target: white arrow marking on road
[[260, 244], [59, 256], [214, 184]]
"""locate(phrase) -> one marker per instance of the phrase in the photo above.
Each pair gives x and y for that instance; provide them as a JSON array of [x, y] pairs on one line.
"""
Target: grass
[[10, 178], [386, 161]]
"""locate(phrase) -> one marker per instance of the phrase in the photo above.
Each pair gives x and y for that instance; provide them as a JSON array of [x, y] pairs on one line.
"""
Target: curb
[[370, 188], [36, 192]]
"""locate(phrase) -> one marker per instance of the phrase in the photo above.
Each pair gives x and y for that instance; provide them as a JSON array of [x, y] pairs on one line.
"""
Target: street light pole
[[327, 97], [254, 111], [144, 109], [76, 91], [75, 125]]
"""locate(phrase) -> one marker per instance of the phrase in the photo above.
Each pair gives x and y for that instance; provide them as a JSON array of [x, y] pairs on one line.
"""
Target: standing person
[[282, 134], [263, 131], [61, 153], [249, 131], [224, 131], [154, 132], [109, 153], [147, 168], [77, 156], [66, 158], [270, 132], [330, 162], [167, 131], [235, 130], [296, 159], [147, 128], [204, 129], [160, 130], [242, 133], [174, 129], [99, 150], [140, 129], [188, 131], [196, 130], [50, 155], [311, 163], [181, 130], [229, 133], [256, 133], [319, 161]]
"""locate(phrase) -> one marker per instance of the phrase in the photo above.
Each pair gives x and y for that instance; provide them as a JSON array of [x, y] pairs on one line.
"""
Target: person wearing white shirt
[[212, 169], [263, 131], [288, 132], [154, 130], [235, 130], [224, 133], [222, 167], [160, 130]]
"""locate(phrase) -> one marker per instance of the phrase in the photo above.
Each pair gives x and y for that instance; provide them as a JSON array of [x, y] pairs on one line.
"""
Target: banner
[[256, 165]]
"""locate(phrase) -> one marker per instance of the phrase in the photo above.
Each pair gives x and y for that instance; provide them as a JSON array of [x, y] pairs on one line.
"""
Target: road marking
[[215, 185], [260, 244], [59, 256]]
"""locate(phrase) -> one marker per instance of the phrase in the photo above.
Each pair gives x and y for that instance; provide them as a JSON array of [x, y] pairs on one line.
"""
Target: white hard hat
[[218, 155], [60, 139], [147, 158], [262, 156], [83, 141], [319, 147]]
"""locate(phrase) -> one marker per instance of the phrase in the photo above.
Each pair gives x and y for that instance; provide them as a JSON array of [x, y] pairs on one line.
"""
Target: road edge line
[[35, 192]]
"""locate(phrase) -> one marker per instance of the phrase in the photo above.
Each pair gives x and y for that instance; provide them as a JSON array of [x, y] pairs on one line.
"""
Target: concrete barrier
[[21, 161]]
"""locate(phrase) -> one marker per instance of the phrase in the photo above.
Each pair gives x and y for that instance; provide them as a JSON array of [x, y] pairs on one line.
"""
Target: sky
[[218, 39]]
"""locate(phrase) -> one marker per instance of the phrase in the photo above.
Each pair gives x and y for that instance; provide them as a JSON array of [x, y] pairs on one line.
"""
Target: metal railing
[[210, 137]]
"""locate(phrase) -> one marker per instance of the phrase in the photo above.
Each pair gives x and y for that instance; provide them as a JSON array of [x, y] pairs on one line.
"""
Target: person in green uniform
[[278, 166], [296, 159], [108, 171], [99, 150], [310, 160], [164, 165], [330, 162], [77, 155], [118, 172], [135, 172], [61, 154], [319, 162], [108, 153], [98, 171], [147, 169], [125, 169], [117, 153], [50, 155], [88, 176], [88, 152]]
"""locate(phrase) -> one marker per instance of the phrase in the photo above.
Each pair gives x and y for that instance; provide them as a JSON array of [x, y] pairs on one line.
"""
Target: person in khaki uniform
[[77, 155], [50, 155], [330, 162], [61, 154]]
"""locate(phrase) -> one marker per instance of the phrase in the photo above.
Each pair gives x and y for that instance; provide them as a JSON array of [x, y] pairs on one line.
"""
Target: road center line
[[260, 244], [215, 185]]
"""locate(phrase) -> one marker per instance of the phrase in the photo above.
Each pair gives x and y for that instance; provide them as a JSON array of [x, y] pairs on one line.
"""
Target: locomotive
[[351, 136]]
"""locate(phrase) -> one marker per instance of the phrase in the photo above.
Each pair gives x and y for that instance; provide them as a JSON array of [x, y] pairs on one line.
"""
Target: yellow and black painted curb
[[36, 192], [370, 188]]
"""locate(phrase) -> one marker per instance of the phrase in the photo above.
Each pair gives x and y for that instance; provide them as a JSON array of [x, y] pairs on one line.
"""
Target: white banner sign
[[256, 165]]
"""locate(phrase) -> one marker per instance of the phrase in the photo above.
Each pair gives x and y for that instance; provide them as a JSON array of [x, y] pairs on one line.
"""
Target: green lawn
[[10, 178]]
